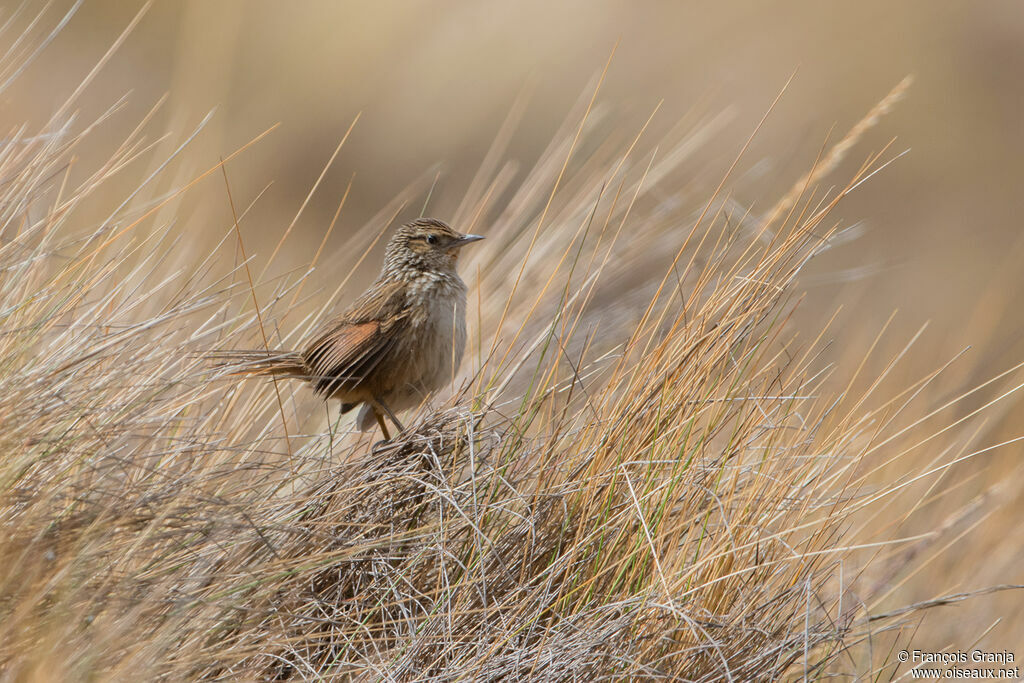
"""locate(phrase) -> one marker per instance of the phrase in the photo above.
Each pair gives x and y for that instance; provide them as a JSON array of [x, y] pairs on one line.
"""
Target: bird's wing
[[350, 348]]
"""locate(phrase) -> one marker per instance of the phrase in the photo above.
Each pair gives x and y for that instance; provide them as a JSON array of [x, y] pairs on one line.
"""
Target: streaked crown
[[425, 244]]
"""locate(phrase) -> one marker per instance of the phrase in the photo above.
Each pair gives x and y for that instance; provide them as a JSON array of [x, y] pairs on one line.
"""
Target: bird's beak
[[466, 239]]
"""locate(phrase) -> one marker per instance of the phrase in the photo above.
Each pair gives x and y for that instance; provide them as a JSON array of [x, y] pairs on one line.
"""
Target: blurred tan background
[[938, 234]]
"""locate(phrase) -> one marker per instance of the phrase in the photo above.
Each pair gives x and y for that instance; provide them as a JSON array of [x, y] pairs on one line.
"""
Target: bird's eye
[[431, 239]]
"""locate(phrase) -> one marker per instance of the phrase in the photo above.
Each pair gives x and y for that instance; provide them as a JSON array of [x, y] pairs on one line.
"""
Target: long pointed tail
[[259, 362]]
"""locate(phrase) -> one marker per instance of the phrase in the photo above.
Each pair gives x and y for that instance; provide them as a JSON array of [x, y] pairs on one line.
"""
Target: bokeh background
[[937, 235]]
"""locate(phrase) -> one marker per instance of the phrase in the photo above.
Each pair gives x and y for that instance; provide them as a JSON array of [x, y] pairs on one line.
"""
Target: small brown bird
[[399, 341]]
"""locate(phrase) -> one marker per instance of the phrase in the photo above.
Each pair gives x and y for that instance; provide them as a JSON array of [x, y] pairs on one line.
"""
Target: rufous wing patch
[[343, 356]]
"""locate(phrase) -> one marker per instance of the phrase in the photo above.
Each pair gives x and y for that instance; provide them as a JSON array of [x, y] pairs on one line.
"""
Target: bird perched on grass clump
[[399, 341]]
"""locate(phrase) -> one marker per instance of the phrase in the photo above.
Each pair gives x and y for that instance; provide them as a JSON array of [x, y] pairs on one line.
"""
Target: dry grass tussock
[[639, 475]]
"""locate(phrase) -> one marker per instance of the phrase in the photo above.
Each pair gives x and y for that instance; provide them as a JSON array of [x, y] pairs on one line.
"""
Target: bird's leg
[[391, 415], [330, 432], [383, 426], [380, 407]]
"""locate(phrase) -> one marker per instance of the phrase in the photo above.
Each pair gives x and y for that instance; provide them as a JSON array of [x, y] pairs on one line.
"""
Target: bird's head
[[426, 244]]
